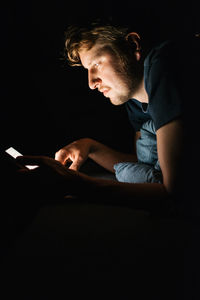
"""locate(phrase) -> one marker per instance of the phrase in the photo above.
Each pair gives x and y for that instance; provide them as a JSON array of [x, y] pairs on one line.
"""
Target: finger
[[76, 164], [23, 171], [61, 156], [74, 167]]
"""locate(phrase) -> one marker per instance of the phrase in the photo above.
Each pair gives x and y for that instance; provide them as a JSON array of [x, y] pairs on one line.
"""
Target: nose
[[93, 80]]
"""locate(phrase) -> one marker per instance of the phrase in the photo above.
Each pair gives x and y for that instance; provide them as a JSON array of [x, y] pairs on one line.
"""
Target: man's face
[[107, 73]]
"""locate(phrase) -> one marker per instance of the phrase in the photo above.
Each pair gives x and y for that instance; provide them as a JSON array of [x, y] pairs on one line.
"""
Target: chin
[[118, 101]]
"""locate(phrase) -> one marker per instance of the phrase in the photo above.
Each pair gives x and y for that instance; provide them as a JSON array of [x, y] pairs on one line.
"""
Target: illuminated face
[[107, 73]]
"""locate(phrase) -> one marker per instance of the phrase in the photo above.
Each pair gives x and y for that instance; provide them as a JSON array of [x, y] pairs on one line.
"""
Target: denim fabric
[[147, 169]]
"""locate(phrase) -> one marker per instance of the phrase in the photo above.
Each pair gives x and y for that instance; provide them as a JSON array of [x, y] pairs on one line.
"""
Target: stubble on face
[[119, 78], [130, 75], [123, 87]]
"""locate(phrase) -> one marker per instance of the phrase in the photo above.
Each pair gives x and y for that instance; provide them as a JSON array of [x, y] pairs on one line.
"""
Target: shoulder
[[163, 83], [158, 51]]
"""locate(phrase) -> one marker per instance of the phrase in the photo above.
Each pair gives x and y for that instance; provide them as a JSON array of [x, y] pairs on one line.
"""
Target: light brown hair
[[77, 37]]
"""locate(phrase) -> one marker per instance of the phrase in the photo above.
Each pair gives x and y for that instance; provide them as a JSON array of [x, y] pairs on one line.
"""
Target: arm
[[150, 195], [170, 149], [107, 157], [147, 196], [54, 179], [80, 150]]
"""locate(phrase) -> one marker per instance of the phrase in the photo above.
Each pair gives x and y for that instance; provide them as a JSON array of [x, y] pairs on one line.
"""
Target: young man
[[150, 82]]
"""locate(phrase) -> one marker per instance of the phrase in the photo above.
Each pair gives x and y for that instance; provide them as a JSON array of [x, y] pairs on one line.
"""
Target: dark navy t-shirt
[[163, 74]]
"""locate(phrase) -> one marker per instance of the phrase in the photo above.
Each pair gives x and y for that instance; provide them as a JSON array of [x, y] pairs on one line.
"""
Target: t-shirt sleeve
[[163, 88]]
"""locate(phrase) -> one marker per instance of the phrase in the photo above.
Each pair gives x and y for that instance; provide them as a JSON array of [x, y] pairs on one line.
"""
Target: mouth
[[104, 91]]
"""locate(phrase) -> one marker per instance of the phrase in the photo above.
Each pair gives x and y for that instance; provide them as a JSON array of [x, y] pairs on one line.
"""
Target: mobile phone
[[14, 153]]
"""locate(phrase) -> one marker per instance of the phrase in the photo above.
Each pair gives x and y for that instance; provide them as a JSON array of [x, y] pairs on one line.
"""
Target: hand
[[51, 176], [77, 152]]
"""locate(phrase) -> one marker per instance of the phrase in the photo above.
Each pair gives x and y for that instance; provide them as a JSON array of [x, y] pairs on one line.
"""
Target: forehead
[[87, 56]]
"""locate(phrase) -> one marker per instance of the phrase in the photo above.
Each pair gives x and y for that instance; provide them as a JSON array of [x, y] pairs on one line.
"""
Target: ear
[[134, 39]]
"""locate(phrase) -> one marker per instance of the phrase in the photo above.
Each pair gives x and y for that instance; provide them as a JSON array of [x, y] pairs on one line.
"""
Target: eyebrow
[[97, 54]]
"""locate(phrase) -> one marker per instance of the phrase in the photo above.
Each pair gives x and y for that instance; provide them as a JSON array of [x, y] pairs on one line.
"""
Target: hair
[[78, 37]]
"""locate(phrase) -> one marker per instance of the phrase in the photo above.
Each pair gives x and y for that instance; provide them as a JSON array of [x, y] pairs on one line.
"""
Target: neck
[[141, 94]]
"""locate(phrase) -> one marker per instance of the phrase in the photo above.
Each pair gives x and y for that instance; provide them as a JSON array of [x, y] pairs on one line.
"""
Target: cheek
[[119, 81], [111, 77]]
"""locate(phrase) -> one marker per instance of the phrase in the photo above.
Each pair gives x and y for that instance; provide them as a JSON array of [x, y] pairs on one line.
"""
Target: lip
[[104, 91]]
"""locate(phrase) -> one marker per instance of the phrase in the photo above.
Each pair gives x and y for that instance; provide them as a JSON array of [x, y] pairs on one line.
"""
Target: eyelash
[[95, 66]]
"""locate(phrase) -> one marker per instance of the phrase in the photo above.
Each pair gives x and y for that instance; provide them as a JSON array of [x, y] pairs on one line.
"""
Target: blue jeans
[[147, 169]]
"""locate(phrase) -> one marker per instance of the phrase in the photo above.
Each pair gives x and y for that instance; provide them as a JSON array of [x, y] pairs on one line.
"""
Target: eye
[[95, 67]]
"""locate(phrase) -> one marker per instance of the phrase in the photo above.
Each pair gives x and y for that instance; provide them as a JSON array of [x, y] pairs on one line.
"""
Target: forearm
[[106, 156], [56, 178], [145, 196]]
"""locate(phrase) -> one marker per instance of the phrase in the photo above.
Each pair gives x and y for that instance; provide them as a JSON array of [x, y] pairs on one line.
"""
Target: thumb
[[76, 164]]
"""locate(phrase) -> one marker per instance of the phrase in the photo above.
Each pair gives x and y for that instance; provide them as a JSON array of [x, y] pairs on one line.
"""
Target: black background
[[46, 104]]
